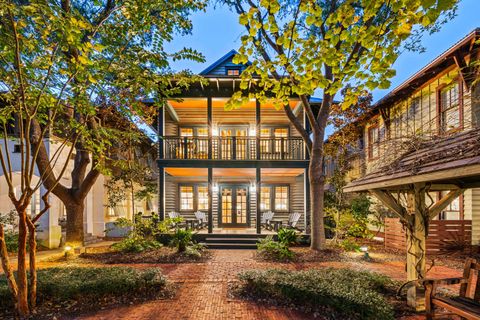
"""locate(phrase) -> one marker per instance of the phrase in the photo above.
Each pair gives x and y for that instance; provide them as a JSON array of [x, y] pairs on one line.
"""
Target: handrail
[[234, 148]]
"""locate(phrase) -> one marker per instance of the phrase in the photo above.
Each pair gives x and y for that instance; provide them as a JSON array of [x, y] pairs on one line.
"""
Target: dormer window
[[233, 71]]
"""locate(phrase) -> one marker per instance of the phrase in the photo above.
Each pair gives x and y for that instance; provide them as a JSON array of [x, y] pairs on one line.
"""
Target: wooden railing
[[445, 236], [233, 148]]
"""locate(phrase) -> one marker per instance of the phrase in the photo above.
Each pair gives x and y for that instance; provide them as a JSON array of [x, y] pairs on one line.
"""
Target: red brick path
[[203, 289]]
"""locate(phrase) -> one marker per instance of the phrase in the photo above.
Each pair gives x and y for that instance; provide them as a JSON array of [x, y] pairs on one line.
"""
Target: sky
[[216, 31]]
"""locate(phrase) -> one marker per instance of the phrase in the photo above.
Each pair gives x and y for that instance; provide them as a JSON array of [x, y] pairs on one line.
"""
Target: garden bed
[[328, 293], [160, 255], [73, 290]]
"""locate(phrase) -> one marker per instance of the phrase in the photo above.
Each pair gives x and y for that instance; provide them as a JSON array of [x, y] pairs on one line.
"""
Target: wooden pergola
[[450, 164]]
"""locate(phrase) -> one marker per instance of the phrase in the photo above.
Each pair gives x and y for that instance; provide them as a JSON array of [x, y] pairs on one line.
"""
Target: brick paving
[[203, 289]]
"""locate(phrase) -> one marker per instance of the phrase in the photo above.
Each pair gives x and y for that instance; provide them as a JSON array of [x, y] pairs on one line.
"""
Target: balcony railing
[[234, 148]]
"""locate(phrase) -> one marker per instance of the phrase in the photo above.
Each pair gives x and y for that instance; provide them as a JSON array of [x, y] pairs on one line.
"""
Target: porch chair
[[293, 220], [266, 220], [202, 219], [175, 215]]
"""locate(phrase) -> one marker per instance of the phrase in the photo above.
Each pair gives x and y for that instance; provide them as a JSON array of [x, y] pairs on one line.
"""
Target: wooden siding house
[[421, 150], [231, 164]]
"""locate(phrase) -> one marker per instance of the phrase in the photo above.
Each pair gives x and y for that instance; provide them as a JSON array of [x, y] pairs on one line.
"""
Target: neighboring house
[[231, 164], [49, 231], [425, 134]]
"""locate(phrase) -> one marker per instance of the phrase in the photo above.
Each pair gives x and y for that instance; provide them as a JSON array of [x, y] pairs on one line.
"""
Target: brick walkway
[[203, 289]]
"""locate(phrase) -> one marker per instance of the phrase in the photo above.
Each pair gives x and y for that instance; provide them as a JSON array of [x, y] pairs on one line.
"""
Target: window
[[449, 107], [233, 72], [373, 142], [281, 198], [186, 197], [186, 132], [202, 198], [265, 199], [193, 197], [454, 211], [280, 133], [274, 197]]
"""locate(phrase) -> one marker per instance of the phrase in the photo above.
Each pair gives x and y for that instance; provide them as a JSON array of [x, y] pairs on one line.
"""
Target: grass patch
[[69, 289], [357, 294]]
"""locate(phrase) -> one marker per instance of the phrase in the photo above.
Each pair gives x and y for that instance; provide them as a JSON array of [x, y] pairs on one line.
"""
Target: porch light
[[252, 132], [215, 187], [215, 131], [253, 188]]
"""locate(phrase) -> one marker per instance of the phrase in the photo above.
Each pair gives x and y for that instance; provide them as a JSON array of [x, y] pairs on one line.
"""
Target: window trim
[[369, 141], [195, 195], [272, 196], [461, 209], [237, 68], [439, 89]]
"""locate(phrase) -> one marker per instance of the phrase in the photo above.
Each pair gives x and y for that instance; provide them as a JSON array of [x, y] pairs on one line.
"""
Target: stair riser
[[236, 247]]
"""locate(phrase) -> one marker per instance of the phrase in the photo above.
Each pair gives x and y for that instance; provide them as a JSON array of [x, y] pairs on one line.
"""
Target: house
[[231, 164], [420, 154]]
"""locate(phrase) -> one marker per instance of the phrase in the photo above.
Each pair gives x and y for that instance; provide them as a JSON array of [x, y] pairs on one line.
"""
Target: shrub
[[57, 285], [354, 293], [136, 243], [270, 249], [11, 241], [287, 236], [181, 239], [350, 244]]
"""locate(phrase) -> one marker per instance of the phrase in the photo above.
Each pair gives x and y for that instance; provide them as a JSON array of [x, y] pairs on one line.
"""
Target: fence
[[445, 236]]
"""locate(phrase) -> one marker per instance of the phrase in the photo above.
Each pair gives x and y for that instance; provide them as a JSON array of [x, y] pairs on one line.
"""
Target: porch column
[[210, 126], [210, 200], [258, 127], [161, 155], [258, 187], [416, 245]]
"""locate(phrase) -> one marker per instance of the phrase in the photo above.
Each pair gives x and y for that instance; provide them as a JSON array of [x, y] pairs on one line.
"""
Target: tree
[[109, 50], [59, 61], [299, 47]]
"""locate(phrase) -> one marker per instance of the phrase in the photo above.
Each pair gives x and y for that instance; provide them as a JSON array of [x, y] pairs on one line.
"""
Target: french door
[[230, 149], [234, 206]]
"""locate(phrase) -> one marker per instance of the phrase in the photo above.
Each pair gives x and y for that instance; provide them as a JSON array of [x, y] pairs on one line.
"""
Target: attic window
[[233, 72]]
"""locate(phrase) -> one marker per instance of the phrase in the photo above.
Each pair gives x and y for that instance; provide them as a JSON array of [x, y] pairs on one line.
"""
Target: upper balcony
[[233, 148]]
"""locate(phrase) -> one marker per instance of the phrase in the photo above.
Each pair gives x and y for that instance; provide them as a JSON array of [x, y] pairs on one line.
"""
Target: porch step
[[231, 241]]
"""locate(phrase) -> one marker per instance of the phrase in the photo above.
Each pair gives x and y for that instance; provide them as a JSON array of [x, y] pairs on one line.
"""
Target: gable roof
[[219, 67]]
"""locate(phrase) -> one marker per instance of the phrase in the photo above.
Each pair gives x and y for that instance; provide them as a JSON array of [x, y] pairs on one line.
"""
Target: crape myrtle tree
[[301, 47], [60, 62], [108, 50]]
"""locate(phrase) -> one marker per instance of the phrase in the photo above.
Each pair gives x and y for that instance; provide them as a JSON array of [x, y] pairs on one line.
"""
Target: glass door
[[234, 210], [227, 148]]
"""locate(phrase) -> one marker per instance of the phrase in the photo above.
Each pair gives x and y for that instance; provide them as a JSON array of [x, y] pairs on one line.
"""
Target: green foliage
[[57, 285], [273, 250], [349, 244], [136, 243], [181, 239], [11, 240], [348, 292], [287, 236]]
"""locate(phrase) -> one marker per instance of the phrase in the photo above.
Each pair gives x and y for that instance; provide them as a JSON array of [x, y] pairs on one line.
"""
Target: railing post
[[210, 127], [282, 148], [234, 148], [185, 148], [257, 128]]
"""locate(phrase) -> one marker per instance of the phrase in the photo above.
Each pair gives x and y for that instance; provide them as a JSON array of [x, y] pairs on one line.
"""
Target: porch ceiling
[[194, 111], [233, 172], [452, 160]]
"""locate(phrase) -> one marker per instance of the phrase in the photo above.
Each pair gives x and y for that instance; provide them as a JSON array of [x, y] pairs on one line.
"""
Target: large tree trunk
[[75, 223], [317, 182], [7, 267], [22, 294]]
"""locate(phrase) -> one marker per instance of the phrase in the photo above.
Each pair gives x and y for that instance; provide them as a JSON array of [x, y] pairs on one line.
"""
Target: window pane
[[202, 197], [265, 199], [202, 132], [186, 198], [373, 141], [233, 72], [186, 132], [281, 198]]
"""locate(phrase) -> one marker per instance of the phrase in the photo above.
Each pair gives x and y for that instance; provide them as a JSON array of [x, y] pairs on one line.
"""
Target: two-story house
[[231, 164]]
